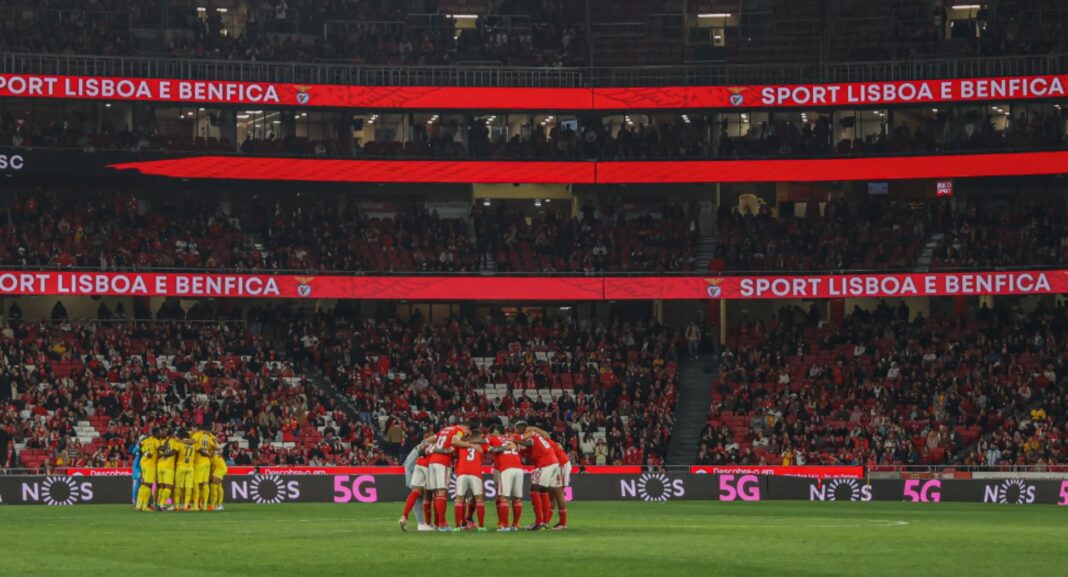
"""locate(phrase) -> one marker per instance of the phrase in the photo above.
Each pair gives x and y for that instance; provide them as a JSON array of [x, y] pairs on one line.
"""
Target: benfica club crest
[[714, 291], [304, 288], [303, 96], [737, 95]]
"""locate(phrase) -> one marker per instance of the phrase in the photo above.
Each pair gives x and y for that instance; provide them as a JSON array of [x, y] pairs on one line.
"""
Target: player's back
[[187, 450], [507, 459], [469, 461], [149, 452], [541, 452], [205, 446], [444, 441], [168, 444]]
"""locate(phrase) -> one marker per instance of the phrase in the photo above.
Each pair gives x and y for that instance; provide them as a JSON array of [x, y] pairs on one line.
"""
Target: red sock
[[517, 512], [502, 513], [480, 508], [441, 505], [428, 514], [408, 504], [547, 502], [535, 502], [458, 512], [563, 517]]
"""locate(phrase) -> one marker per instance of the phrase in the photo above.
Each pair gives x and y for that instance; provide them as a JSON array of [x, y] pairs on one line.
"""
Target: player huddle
[[461, 448], [186, 468]]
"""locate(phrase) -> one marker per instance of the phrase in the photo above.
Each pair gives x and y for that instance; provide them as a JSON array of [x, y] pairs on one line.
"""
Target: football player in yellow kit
[[168, 454], [218, 472], [149, 458], [184, 470], [205, 444]]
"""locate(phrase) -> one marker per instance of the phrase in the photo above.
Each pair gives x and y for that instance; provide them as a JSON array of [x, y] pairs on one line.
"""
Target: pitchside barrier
[[649, 487]]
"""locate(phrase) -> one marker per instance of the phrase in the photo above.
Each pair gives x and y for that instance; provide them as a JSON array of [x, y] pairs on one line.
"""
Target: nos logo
[[1014, 491], [840, 490], [652, 487], [57, 491], [265, 490]]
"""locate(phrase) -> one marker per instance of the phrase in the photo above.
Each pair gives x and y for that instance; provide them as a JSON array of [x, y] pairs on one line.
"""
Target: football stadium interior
[[771, 287]]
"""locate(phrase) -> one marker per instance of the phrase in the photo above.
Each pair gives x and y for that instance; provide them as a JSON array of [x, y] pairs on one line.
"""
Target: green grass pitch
[[680, 538]]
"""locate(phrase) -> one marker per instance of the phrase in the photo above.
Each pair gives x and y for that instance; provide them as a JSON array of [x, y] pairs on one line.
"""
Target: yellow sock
[[161, 497], [187, 498], [218, 495], [143, 495], [196, 495], [205, 496]]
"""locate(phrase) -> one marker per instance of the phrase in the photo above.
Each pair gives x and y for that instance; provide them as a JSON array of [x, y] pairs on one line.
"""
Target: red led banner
[[323, 170], [683, 171], [493, 98], [838, 286], [533, 288], [281, 94], [817, 95]]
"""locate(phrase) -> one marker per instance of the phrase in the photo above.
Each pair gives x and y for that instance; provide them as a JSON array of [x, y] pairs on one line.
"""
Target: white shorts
[[438, 477], [510, 483], [565, 475], [468, 484], [420, 476], [546, 476]]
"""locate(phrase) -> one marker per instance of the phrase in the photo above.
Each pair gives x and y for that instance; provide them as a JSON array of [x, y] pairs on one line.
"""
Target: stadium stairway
[[706, 251], [923, 262], [691, 411], [316, 377]]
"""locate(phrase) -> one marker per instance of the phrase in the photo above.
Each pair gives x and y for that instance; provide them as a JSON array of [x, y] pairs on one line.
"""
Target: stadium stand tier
[[886, 387]]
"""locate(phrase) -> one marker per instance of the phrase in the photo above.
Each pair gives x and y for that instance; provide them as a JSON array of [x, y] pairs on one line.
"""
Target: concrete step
[[691, 412]]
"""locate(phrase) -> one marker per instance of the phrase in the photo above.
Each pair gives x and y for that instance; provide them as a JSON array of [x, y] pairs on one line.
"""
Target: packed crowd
[[124, 230], [888, 388], [608, 389], [846, 235], [552, 243], [996, 235], [116, 231], [65, 228], [126, 377], [397, 32], [544, 33], [248, 381], [322, 237]]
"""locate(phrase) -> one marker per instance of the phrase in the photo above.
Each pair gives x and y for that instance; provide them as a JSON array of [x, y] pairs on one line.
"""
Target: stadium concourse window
[[636, 135]]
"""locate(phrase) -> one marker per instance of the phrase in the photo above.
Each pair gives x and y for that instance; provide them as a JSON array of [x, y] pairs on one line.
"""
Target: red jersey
[[505, 459], [541, 454], [422, 461], [445, 442], [561, 454], [469, 461]]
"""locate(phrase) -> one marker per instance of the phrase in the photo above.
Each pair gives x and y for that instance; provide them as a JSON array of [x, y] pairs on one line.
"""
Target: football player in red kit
[[559, 495], [442, 454], [565, 482], [419, 485], [469, 480], [507, 477], [545, 479]]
